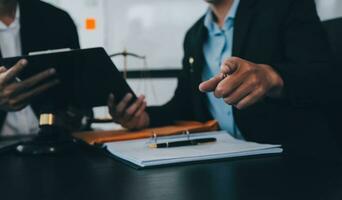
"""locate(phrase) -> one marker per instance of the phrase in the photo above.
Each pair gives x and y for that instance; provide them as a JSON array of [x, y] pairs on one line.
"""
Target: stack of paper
[[138, 152]]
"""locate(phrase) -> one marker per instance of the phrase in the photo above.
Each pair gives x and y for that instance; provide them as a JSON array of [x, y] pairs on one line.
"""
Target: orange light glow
[[90, 24]]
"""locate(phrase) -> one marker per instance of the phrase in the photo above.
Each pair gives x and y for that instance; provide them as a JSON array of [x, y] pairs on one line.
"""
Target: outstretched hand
[[242, 83]]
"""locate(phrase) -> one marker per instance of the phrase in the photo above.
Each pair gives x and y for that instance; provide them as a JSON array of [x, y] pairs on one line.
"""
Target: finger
[[3, 69], [111, 101], [129, 114], [33, 81], [111, 106], [120, 108], [136, 105], [250, 100], [228, 85], [141, 110], [241, 92], [12, 72], [34, 92], [211, 84], [230, 65]]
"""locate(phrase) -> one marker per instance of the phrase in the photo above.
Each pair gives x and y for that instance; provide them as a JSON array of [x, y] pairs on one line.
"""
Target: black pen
[[182, 143]]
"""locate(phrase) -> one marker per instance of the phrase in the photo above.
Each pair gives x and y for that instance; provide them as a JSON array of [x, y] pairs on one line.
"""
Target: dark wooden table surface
[[86, 174]]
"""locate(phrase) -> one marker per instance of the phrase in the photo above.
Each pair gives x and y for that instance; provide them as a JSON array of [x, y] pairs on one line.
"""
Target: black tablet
[[87, 77]]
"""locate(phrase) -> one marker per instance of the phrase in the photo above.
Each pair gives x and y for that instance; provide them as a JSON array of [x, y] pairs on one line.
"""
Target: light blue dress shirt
[[216, 49]]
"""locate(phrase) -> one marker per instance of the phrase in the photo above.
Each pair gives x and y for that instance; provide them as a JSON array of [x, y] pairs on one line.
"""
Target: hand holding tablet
[[131, 116], [15, 94]]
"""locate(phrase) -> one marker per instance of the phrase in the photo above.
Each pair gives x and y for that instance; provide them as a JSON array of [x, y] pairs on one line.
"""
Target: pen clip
[[154, 137], [187, 133], [184, 135]]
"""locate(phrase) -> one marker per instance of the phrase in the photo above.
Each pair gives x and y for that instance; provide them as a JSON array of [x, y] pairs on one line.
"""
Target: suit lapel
[[242, 22], [198, 42], [24, 30], [30, 37], [200, 100]]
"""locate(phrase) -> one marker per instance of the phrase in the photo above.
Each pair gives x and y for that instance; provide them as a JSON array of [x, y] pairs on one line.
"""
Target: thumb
[[111, 101], [211, 84]]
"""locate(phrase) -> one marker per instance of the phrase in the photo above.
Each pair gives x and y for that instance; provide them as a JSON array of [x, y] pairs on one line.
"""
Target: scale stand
[[50, 140]]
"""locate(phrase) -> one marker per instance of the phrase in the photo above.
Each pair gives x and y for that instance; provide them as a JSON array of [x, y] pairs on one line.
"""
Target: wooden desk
[[88, 175]]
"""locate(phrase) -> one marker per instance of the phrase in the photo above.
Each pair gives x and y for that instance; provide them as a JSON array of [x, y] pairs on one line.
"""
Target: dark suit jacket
[[288, 36], [44, 27]]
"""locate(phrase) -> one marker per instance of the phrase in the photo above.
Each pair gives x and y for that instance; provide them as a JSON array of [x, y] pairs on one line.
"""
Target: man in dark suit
[[28, 26], [260, 67]]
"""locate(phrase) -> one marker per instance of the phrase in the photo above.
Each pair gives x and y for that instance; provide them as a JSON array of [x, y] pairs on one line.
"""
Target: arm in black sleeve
[[308, 74]]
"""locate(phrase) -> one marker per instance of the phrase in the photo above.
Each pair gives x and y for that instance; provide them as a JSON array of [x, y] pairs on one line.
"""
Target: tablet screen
[[87, 77]]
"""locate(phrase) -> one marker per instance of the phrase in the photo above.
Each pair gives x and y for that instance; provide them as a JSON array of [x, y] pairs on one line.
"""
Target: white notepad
[[138, 152]]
